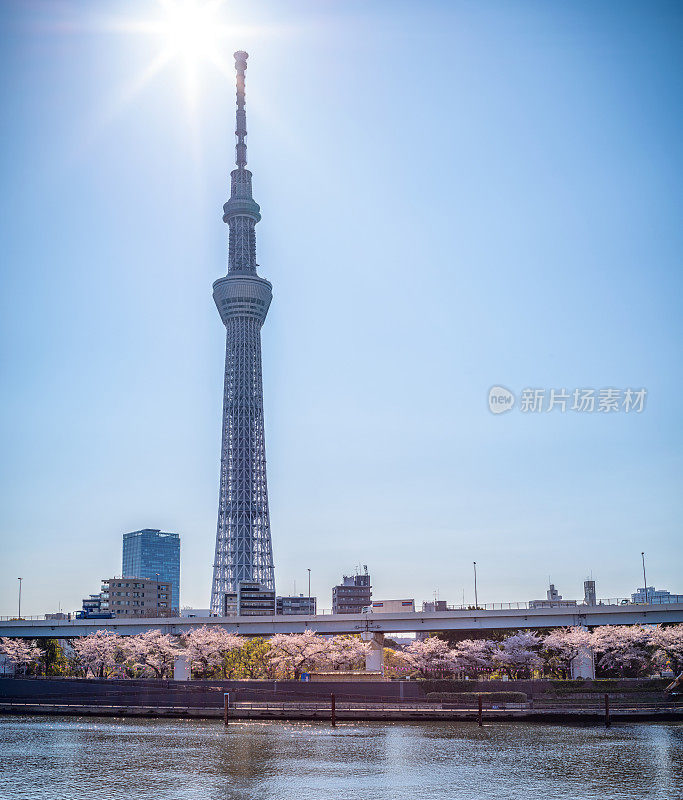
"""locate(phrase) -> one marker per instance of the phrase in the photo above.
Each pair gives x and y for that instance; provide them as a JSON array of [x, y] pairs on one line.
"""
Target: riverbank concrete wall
[[209, 694], [200, 694]]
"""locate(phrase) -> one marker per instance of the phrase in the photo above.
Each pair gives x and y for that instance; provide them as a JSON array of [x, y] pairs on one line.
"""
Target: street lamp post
[[20, 580], [642, 555], [476, 598]]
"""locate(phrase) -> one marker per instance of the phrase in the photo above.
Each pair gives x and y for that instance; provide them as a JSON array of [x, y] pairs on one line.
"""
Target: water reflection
[[71, 758]]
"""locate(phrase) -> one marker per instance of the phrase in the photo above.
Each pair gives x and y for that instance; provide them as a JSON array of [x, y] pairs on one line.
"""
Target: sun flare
[[190, 34], [191, 29], [187, 39]]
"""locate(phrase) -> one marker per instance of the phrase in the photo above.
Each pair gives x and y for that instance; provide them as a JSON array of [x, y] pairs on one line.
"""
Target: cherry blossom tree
[[624, 649], [212, 651], [20, 652], [153, 652], [207, 648], [517, 656], [344, 653], [397, 663], [431, 655], [97, 653], [562, 646], [472, 656], [294, 653], [668, 647]]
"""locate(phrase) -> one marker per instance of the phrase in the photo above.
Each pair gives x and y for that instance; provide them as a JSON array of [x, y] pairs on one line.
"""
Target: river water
[[71, 758]]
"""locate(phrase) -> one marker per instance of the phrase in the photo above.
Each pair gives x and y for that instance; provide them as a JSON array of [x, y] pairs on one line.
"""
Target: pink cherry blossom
[[20, 652]]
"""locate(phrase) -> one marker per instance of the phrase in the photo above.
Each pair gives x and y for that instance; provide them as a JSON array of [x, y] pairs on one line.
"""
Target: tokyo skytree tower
[[243, 546]]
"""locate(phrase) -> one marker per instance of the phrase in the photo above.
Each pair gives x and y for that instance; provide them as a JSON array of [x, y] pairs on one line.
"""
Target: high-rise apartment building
[[589, 596], [352, 595], [154, 555]]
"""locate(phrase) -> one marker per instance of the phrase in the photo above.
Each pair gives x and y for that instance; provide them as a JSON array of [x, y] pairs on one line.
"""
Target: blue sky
[[454, 194]]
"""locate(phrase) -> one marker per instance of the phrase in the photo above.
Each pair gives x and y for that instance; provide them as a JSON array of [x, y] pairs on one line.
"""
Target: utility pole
[[20, 580], [309, 587], [642, 555], [476, 599]]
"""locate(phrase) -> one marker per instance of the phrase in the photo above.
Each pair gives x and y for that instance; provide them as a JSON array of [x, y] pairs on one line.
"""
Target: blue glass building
[[150, 553]]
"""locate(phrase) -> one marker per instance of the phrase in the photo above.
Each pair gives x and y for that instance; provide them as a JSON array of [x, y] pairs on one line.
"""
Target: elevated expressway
[[403, 622]]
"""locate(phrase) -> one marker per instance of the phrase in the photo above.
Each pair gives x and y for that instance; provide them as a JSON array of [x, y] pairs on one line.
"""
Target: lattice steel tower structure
[[244, 551]]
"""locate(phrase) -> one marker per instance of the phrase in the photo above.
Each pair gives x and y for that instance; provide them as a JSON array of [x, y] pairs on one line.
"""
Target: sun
[[189, 34], [191, 30], [186, 37]]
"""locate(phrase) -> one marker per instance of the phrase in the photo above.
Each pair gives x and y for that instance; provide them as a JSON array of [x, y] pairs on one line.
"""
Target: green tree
[[53, 660], [251, 660]]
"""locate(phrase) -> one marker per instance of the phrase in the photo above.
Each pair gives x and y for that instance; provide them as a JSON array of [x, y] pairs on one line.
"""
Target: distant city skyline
[[456, 197]]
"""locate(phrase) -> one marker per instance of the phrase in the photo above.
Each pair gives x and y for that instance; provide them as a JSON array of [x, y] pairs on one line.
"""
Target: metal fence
[[320, 706]]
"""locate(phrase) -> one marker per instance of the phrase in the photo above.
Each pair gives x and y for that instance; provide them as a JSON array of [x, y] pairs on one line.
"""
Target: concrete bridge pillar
[[181, 668], [583, 664], [374, 660]]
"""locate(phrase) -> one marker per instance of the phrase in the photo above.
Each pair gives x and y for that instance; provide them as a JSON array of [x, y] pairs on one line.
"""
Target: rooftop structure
[[430, 606], [553, 600], [559, 603], [392, 606]]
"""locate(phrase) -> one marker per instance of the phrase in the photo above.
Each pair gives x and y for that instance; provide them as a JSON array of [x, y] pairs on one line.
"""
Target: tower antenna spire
[[241, 127], [241, 212]]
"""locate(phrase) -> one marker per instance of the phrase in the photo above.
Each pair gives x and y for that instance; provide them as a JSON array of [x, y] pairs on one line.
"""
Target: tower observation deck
[[244, 553]]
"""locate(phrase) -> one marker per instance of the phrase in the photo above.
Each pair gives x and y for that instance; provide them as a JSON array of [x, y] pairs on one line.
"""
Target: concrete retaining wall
[[209, 694], [196, 694]]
